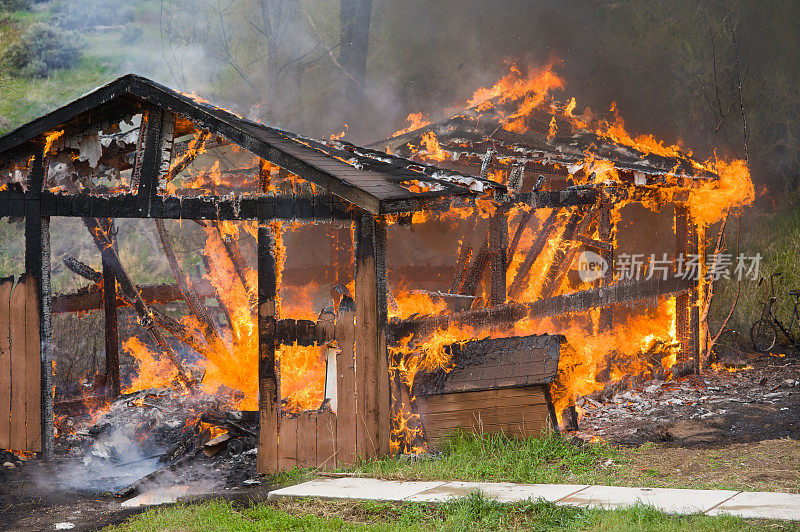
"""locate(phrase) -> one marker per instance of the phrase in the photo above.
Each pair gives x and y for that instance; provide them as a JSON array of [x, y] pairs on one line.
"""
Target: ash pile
[[156, 438], [755, 398]]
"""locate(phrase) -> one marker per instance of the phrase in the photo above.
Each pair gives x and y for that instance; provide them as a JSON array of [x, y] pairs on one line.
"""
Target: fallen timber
[[626, 292], [93, 299], [104, 240]]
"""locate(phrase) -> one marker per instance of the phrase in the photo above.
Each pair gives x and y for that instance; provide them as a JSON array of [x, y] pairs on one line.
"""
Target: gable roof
[[466, 136], [372, 180]]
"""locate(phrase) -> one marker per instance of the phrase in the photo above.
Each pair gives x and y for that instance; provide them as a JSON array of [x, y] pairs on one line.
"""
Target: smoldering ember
[[199, 304]]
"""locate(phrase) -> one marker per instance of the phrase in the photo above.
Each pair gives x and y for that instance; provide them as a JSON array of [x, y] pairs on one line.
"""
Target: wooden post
[[149, 166], [37, 267], [606, 234], [268, 399], [699, 295], [112, 337], [372, 363], [686, 323]]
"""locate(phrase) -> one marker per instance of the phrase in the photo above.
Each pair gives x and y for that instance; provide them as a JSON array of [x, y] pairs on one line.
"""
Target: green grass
[[474, 512], [552, 459], [495, 457]]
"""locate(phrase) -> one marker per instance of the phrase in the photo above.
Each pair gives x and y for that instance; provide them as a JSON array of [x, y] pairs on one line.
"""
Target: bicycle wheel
[[763, 335]]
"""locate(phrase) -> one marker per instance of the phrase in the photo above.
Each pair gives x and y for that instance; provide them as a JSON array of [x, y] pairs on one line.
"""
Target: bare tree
[[355, 16]]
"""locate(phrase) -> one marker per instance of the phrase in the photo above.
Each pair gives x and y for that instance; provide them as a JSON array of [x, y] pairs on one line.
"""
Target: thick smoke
[[674, 68]]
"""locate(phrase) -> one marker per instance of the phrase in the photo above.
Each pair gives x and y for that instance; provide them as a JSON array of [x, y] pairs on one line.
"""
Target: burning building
[[462, 274]]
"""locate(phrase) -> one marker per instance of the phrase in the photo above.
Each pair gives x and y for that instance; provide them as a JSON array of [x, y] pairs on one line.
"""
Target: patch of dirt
[[769, 465]]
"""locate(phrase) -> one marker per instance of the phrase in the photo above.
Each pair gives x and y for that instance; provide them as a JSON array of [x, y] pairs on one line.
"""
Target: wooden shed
[[123, 151]]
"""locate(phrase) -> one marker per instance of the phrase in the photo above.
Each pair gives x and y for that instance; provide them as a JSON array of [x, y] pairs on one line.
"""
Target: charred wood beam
[[536, 200], [37, 268], [498, 245], [554, 306], [464, 255], [93, 299], [148, 166], [188, 158], [564, 257], [83, 270], [176, 329], [317, 207], [523, 223], [476, 271], [592, 243], [111, 332], [104, 241], [605, 231], [533, 253], [572, 197]]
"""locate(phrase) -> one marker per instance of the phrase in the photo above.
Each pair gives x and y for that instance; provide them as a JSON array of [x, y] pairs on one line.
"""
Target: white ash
[[729, 399]]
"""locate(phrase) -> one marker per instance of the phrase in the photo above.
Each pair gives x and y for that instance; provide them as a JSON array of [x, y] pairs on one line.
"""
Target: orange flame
[[415, 121]]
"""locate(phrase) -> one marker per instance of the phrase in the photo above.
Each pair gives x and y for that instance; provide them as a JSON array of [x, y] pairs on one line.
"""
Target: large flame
[[642, 343]]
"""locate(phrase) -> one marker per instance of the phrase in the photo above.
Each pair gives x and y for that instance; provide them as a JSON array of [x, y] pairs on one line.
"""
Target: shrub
[[42, 49], [14, 5]]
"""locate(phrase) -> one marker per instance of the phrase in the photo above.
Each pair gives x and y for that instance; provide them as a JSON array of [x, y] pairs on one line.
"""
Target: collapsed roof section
[[545, 140], [372, 180]]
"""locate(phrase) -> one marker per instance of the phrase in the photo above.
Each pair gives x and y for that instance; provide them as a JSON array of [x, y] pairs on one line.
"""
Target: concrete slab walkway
[[673, 501]]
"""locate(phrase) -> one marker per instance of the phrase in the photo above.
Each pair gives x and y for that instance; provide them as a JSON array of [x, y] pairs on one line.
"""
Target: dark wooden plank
[[18, 379], [485, 412], [287, 444], [441, 404], [6, 284], [521, 427], [685, 243], [33, 368], [326, 440], [268, 400], [307, 439], [476, 271], [490, 415], [344, 331]]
